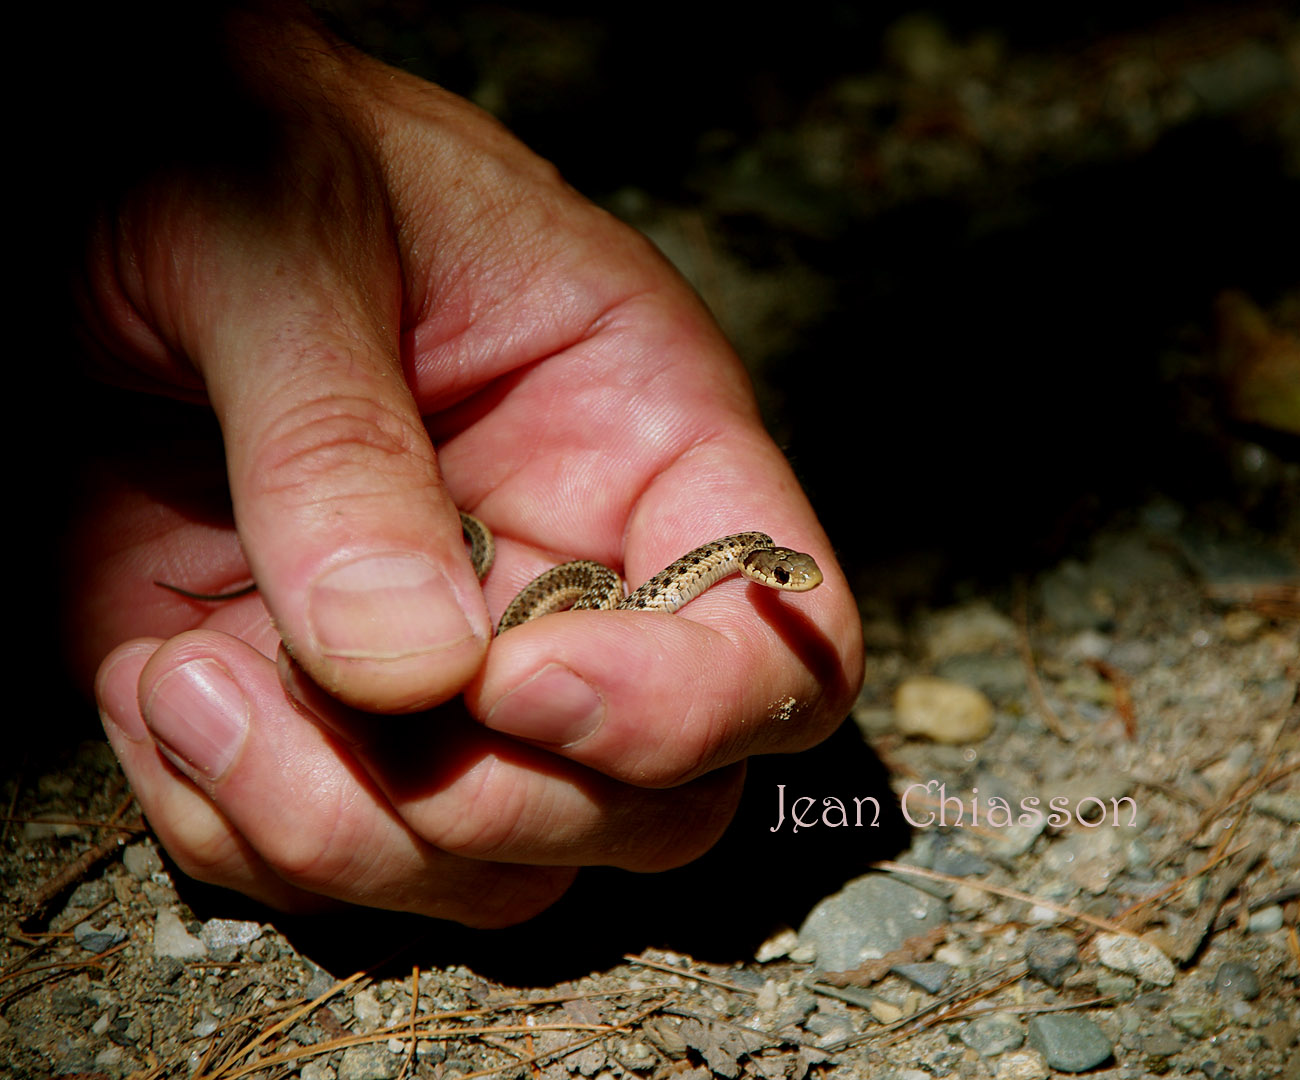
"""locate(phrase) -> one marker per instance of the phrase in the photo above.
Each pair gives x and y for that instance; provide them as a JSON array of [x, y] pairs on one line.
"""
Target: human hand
[[403, 275]]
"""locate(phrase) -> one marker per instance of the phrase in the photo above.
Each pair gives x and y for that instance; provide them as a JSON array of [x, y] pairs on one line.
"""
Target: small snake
[[585, 585]]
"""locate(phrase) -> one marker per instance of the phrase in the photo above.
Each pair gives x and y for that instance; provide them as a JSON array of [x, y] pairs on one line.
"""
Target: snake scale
[[586, 585]]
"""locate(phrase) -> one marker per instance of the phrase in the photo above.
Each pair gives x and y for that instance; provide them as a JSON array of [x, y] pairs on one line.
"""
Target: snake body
[[586, 585]]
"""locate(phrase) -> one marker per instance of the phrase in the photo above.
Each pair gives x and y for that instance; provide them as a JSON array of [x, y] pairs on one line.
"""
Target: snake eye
[[781, 574]]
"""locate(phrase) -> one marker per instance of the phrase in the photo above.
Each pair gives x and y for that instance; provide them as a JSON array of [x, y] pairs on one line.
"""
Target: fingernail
[[199, 715], [386, 607], [119, 703], [554, 706]]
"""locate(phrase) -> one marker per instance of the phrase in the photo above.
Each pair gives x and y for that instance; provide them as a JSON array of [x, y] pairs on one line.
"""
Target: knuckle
[[341, 445], [494, 820]]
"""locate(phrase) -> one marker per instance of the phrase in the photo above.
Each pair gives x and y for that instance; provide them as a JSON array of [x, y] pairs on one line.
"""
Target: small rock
[[1022, 1065], [1053, 958], [1069, 1043], [320, 982], [34, 831], [1197, 1022], [167, 969], [1162, 1042], [368, 1010], [90, 894], [1266, 920], [994, 1034], [1241, 626], [69, 1003], [369, 1063], [1119, 952], [931, 976], [97, 941], [777, 946], [205, 1023], [944, 711], [1236, 979], [884, 1012], [142, 861], [868, 918], [229, 933], [1119, 987], [170, 938]]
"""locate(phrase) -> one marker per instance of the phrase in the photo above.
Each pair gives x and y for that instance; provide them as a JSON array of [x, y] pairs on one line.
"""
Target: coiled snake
[[585, 585]]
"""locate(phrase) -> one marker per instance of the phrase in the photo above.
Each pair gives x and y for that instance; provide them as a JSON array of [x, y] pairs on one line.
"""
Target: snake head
[[781, 568]]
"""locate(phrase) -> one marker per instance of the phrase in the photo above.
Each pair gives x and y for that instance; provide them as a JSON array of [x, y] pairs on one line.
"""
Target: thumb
[[347, 526]]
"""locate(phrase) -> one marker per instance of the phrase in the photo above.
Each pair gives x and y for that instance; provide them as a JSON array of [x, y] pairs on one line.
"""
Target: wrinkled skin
[[400, 274]]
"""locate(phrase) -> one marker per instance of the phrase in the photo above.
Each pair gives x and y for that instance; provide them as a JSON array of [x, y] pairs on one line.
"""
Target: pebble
[[868, 918], [142, 861], [993, 1034], [1236, 979], [1162, 1042], [369, 1012], [1119, 952], [1022, 1065], [1266, 920], [170, 938], [1052, 957], [930, 976], [34, 831], [97, 941], [1197, 1022], [369, 1063], [229, 933], [1241, 626], [942, 710], [320, 982], [1069, 1043]]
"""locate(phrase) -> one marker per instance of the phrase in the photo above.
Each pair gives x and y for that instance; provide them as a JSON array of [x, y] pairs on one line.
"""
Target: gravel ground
[[1022, 302]]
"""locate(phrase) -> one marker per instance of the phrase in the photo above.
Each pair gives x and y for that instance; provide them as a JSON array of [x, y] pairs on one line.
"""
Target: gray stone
[[1236, 979], [97, 941], [866, 919], [369, 1063], [931, 977], [321, 981], [229, 933], [993, 1034], [1266, 920], [1053, 957], [1069, 1043]]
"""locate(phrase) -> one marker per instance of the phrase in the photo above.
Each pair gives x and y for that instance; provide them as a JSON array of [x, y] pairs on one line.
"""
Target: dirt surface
[[1022, 301]]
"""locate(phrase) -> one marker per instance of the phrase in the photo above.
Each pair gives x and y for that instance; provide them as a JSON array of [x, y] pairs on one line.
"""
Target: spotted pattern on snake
[[585, 585]]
